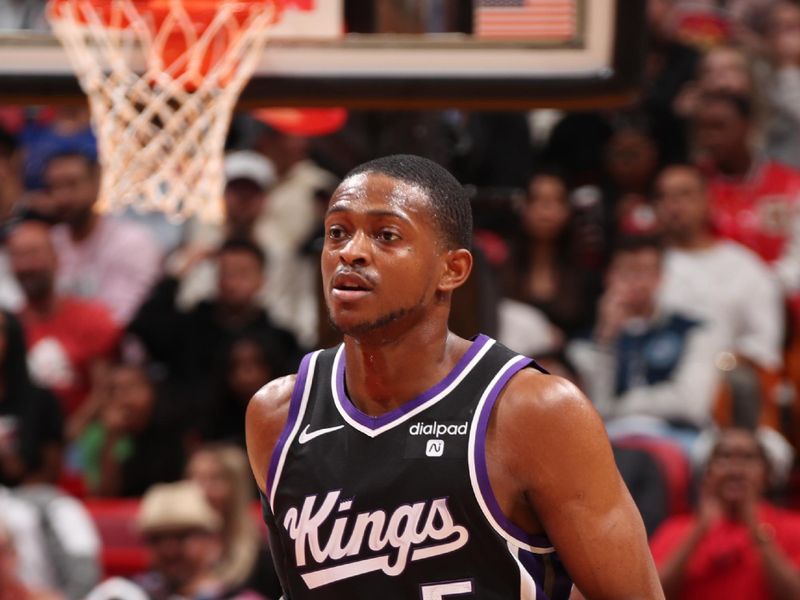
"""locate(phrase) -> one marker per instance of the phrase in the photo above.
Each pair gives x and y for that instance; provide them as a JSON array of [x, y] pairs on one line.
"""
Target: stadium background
[[147, 336]]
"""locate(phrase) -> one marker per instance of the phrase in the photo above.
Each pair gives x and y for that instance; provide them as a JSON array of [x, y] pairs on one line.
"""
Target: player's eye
[[387, 235], [335, 232]]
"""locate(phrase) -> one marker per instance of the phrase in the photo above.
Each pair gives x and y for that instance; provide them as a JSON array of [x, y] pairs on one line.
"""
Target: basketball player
[[411, 463]]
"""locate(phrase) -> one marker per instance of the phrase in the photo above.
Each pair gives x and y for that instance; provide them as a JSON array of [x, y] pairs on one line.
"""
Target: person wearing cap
[[228, 273], [294, 214], [249, 178], [254, 182], [735, 545], [182, 532]]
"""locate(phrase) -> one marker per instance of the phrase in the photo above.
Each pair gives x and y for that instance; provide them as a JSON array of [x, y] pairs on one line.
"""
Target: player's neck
[[380, 376]]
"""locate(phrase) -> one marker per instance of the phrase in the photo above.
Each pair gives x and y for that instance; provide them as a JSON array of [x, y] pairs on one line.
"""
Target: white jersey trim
[[527, 586]]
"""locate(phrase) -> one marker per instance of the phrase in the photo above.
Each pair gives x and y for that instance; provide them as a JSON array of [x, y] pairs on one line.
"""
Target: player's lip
[[351, 281], [349, 286]]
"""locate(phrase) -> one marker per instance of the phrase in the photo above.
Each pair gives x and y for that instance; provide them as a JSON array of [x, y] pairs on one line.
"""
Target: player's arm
[[266, 417], [560, 454]]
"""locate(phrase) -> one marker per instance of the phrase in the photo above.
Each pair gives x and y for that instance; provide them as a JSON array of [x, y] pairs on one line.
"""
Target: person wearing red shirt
[[735, 546], [754, 200], [65, 336]]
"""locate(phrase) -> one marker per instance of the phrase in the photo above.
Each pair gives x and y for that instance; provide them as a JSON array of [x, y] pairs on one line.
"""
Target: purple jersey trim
[[294, 411], [561, 586], [482, 472], [383, 420]]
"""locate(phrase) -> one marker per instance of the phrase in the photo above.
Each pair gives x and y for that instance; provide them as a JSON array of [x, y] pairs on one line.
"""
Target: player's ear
[[458, 266]]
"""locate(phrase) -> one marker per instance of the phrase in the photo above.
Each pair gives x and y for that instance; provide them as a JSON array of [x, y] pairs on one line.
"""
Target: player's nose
[[356, 250]]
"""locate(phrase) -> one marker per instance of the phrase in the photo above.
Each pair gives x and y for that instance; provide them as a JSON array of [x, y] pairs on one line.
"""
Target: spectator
[[526, 329], [631, 162], [24, 524], [66, 336], [582, 161], [10, 192], [193, 344], [723, 69], [100, 257], [669, 65], [11, 587], [135, 441], [783, 83], [31, 426], [735, 545], [223, 474], [289, 220], [249, 177], [646, 370], [546, 271], [717, 281], [484, 149], [55, 540], [57, 130], [250, 362], [10, 181], [753, 199], [71, 539], [182, 532], [290, 215]]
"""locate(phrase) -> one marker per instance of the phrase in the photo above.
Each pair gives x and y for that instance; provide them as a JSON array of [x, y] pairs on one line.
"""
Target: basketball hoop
[[163, 78]]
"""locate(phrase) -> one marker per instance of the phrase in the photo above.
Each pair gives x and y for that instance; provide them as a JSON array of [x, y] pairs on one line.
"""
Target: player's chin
[[349, 319]]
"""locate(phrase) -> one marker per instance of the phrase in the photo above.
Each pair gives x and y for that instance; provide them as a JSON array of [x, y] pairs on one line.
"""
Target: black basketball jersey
[[399, 506]]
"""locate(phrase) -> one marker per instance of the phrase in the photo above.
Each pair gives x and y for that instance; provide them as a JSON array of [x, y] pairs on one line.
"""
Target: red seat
[[674, 466], [123, 553]]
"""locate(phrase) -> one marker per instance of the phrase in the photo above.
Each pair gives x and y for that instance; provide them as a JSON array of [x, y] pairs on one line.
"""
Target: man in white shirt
[[648, 371], [715, 280]]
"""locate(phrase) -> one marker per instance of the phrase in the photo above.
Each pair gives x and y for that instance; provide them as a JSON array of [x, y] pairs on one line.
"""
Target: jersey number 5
[[441, 591]]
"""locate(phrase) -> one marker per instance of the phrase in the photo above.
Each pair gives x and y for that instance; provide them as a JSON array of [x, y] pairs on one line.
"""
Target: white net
[[162, 87]]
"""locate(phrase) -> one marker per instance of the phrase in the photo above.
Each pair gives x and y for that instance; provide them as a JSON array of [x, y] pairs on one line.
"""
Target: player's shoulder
[[537, 397], [273, 399], [267, 414]]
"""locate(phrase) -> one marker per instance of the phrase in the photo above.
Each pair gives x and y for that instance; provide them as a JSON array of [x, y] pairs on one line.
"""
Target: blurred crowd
[[650, 253]]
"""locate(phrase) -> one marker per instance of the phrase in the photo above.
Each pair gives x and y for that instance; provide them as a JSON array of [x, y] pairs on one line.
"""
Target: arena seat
[[123, 553], [674, 466]]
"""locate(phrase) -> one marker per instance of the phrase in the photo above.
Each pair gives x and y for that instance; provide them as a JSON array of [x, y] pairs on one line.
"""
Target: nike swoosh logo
[[306, 437]]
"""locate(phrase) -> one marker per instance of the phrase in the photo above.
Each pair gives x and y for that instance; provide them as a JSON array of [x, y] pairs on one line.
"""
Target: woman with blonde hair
[[222, 471]]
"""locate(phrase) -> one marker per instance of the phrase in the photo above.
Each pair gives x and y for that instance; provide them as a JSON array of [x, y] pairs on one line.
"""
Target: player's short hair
[[741, 105], [449, 200], [246, 246]]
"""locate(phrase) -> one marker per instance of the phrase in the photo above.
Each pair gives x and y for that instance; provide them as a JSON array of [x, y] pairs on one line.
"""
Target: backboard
[[408, 54]]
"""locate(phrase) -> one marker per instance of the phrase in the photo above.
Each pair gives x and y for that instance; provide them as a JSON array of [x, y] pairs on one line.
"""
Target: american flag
[[550, 20]]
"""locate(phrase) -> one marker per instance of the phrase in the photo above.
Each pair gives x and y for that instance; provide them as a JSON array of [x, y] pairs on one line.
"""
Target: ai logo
[[434, 448]]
